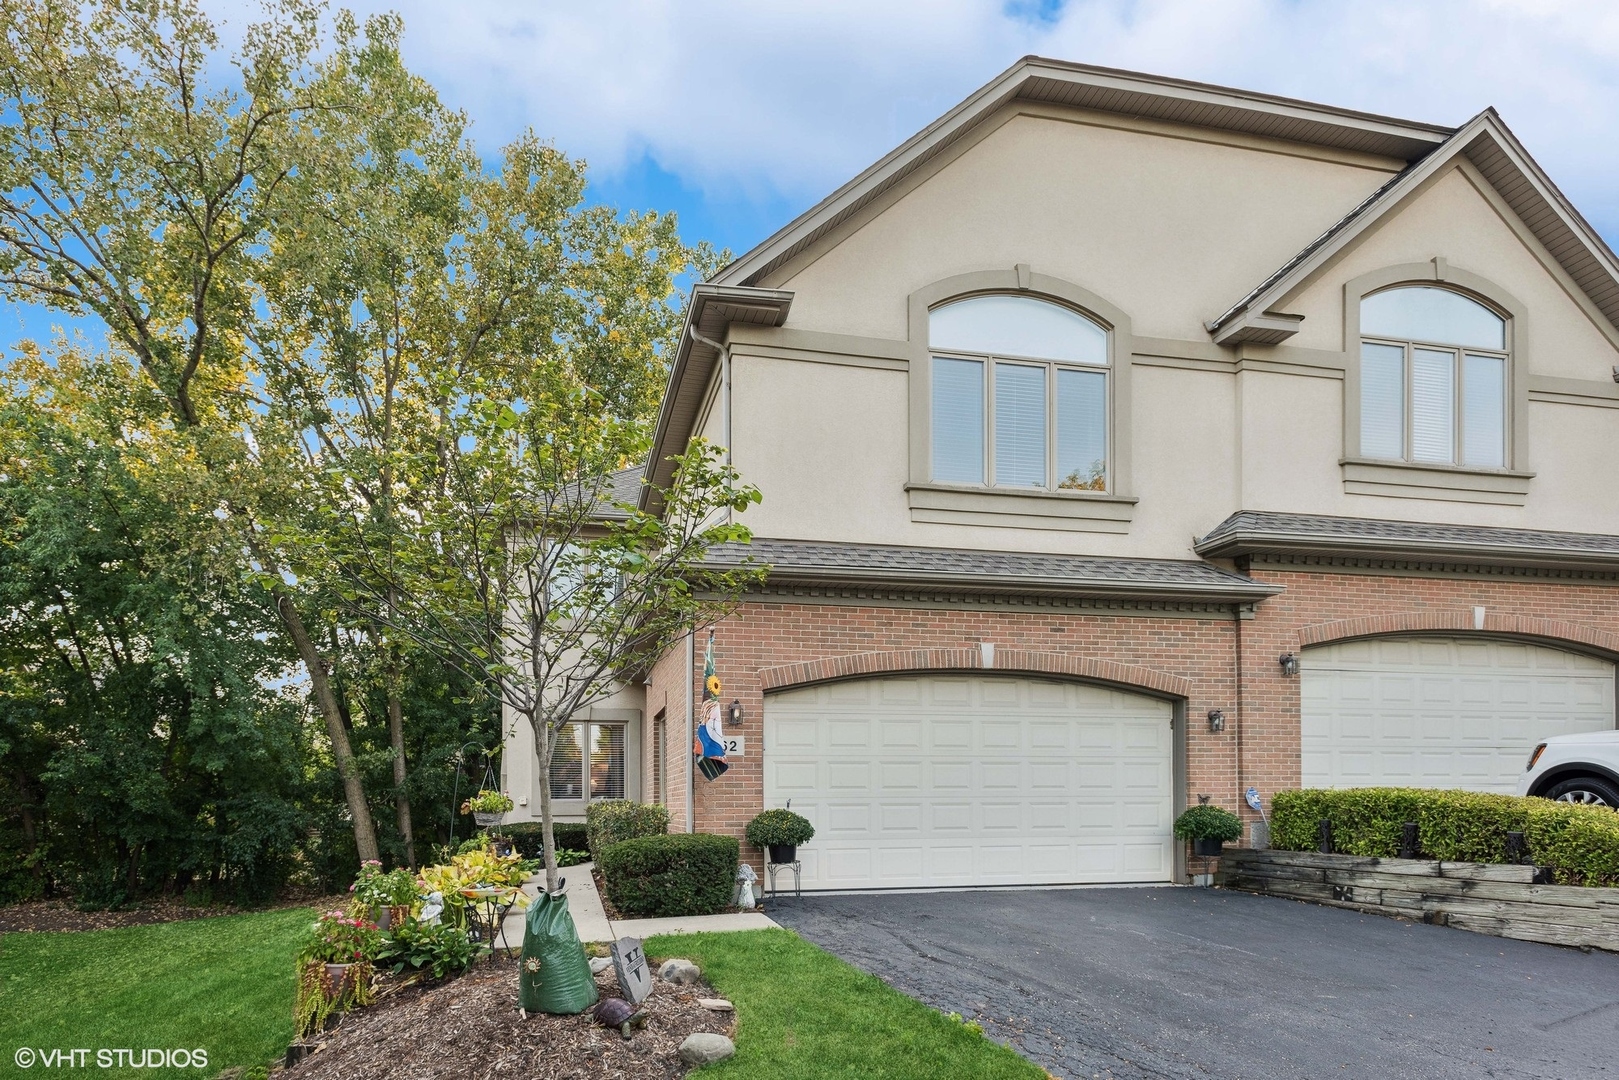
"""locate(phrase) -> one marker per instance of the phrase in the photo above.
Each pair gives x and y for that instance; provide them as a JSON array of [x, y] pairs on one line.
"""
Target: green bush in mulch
[[1579, 844], [613, 822], [675, 874]]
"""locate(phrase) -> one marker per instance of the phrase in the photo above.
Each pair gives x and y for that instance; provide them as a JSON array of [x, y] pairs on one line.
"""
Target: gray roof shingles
[[1257, 531], [809, 561]]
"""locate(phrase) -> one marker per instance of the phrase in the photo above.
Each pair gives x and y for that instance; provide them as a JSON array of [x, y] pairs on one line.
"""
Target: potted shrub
[[488, 807], [1208, 828], [781, 831], [388, 896], [344, 945]]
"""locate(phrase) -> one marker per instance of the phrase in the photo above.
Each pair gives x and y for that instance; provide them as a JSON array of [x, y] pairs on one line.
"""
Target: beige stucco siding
[[1292, 440], [828, 446], [1172, 230], [1454, 219]]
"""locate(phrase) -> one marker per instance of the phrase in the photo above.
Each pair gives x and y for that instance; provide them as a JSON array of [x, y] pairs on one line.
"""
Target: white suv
[[1575, 768]]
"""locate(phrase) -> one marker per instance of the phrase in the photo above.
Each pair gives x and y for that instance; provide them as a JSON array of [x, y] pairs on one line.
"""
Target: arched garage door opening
[[922, 781], [1442, 712]]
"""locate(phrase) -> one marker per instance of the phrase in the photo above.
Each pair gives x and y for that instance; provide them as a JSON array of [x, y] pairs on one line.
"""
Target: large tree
[[143, 187]]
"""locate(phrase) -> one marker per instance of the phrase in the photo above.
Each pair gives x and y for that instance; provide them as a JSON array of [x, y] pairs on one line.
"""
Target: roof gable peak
[[1491, 147]]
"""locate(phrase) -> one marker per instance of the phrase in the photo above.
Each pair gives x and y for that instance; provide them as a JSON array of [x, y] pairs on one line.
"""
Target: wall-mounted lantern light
[[733, 714], [1289, 662], [1216, 720]]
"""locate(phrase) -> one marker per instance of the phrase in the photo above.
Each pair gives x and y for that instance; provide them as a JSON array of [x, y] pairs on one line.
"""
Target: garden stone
[[599, 964], [704, 1048], [683, 972], [716, 1004]]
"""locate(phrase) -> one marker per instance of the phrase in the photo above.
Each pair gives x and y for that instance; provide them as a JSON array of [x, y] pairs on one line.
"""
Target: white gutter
[[725, 394]]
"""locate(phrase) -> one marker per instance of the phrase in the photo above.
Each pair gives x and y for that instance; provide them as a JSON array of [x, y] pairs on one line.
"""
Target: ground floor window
[[590, 757]]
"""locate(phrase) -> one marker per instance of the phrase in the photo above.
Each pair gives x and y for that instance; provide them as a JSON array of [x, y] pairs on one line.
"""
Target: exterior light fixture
[[1216, 720], [733, 714], [1289, 662]]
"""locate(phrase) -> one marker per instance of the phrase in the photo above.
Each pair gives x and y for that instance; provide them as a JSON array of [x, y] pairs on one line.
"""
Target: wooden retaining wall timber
[[1487, 898]]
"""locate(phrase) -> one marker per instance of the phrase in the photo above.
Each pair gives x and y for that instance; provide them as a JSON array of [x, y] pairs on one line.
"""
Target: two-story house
[[1125, 440]]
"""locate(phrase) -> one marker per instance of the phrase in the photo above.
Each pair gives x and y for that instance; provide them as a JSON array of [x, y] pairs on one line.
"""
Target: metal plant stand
[[796, 866], [486, 913]]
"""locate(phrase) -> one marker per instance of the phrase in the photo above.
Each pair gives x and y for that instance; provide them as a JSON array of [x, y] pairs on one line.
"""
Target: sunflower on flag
[[709, 745]]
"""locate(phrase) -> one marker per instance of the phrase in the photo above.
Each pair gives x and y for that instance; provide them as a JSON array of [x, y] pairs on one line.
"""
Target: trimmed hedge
[[1579, 844], [674, 874], [609, 823], [528, 837]]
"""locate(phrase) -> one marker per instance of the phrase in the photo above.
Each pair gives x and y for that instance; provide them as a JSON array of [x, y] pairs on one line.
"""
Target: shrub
[[608, 823], [676, 874], [440, 948], [1579, 844], [1208, 823], [779, 827], [529, 837]]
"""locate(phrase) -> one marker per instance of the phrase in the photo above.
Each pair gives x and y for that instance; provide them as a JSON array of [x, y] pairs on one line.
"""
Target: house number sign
[[735, 746]]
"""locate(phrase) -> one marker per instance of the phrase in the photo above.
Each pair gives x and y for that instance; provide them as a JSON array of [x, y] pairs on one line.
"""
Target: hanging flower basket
[[488, 807]]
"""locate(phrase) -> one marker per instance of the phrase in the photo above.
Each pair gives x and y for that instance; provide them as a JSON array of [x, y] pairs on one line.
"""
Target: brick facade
[[1192, 657]]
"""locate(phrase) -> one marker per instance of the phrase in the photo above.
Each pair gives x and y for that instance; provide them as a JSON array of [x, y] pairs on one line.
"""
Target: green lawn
[[802, 1012], [224, 984]]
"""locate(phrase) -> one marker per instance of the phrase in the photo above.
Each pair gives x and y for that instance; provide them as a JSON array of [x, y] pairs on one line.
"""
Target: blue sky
[[737, 114]]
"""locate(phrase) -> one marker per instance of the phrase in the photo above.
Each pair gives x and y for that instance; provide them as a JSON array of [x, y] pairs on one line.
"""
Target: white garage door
[[1442, 712], [961, 780]]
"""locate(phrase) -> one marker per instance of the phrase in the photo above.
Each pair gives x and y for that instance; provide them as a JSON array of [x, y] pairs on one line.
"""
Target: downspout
[[725, 394], [691, 730]]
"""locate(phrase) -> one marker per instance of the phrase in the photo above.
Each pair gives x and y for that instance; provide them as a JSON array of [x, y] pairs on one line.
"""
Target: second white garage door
[[1442, 712], [915, 782]]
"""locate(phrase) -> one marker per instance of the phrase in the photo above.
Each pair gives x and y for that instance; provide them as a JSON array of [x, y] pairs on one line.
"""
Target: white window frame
[[1407, 479], [1050, 367], [628, 719], [1022, 507], [1458, 353]]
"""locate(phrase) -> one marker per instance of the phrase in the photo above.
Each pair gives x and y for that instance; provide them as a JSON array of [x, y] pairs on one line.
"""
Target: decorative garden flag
[[709, 746]]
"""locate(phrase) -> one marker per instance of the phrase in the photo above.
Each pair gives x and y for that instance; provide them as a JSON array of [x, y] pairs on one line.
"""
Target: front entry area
[[954, 780], [1442, 712]]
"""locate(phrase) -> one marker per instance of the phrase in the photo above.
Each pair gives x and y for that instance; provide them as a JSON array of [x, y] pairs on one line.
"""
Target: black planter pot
[[1207, 847], [783, 853]]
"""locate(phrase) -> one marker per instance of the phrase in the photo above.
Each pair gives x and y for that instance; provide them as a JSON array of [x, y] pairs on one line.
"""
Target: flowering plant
[[373, 888], [340, 938], [488, 802]]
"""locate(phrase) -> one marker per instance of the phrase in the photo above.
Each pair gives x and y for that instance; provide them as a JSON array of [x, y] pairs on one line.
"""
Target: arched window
[[1433, 379], [1019, 395]]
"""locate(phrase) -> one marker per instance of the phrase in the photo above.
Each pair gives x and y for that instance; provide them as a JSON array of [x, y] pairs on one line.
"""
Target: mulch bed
[[470, 1029], [54, 916]]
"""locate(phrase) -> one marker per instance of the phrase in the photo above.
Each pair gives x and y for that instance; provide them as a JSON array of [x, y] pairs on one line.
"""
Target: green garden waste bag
[[554, 975]]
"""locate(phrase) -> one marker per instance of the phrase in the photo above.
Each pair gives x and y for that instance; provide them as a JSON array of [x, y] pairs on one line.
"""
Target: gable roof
[[1492, 148], [1129, 93]]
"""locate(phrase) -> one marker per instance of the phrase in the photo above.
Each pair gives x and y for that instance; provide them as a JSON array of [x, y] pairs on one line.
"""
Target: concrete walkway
[[590, 918]]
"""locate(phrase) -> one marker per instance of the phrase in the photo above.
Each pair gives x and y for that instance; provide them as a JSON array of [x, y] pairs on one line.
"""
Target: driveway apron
[[1176, 982]]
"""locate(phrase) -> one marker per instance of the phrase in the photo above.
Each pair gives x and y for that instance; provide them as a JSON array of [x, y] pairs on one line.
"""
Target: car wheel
[[1585, 790]]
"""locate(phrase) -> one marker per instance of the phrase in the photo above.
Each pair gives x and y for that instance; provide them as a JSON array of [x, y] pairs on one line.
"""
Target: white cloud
[[790, 99]]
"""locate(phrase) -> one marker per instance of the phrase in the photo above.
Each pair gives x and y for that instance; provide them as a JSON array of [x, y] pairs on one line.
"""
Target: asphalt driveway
[[1129, 983]]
